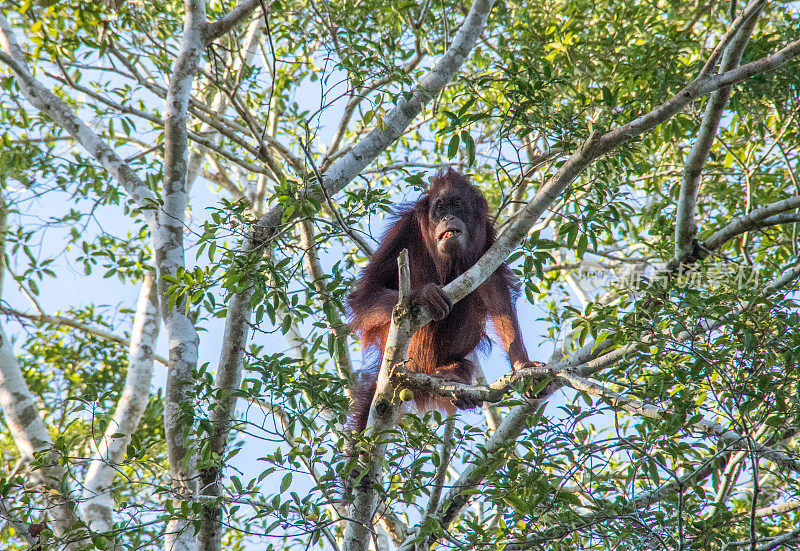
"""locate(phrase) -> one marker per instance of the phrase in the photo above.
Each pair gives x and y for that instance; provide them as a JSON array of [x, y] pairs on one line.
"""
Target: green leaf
[[470, 145], [452, 149], [608, 97], [583, 243], [286, 482]]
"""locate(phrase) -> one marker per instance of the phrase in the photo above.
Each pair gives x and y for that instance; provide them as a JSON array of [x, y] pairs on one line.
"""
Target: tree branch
[[730, 438], [585, 361], [337, 326], [382, 415], [685, 223], [220, 103], [492, 393], [735, 33], [170, 257], [789, 505], [35, 446], [47, 102], [69, 322], [98, 505], [393, 525], [780, 541], [212, 31], [774, 213], [347, 167], [223, 412]]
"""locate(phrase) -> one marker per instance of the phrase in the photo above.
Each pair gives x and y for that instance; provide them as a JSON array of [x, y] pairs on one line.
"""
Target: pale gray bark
[[97, 506], [20, 526], [226, 383], [212, 31], [778, 541], [3, 228], [337, 326], [382, 539], [394, 526], [732, 34], [79, 325], [685, 223], [183, 338], [350, 165], [220, 103], [729, 476], [768, 215], [47, 102], [730, 438], [491, 393], [382, 415], [32, 439], [788, 505], [490, 411]]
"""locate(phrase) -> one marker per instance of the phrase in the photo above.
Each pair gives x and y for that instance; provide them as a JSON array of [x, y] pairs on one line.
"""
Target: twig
[[363, 245], [445, 453], [69, 322], [729, 437]]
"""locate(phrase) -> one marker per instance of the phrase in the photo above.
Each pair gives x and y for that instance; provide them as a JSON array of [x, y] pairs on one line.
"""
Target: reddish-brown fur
[[440, 347]]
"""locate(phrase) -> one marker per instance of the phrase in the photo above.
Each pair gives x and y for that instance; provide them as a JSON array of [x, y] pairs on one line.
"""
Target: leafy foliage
[[584, 473]]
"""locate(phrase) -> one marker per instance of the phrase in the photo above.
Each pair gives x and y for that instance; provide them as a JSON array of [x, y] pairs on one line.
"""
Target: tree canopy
[[233, 165]]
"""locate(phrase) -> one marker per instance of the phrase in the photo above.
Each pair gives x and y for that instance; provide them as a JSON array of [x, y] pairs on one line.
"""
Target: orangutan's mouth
[[448, 234]]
